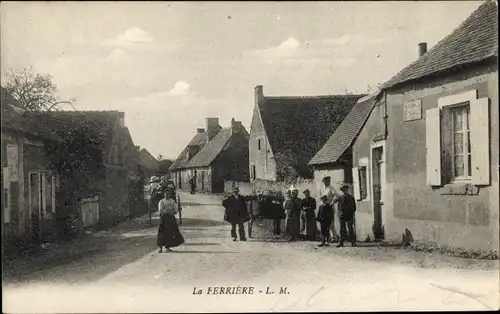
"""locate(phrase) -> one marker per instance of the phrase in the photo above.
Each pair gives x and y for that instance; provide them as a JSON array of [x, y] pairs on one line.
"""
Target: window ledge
[[459, 189]]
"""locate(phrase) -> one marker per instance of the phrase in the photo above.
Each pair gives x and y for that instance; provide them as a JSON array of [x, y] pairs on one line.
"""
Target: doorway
[[203, 180], [35, 205], [378, 189]]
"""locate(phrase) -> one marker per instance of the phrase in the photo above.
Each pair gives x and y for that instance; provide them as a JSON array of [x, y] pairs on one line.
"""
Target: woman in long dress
[[293, 208], [169, 234]]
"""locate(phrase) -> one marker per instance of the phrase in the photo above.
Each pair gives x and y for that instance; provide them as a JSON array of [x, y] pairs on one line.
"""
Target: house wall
[[431, 214], [373, 127], [31, 158], [114, 197], [265, 164], [182, 177]]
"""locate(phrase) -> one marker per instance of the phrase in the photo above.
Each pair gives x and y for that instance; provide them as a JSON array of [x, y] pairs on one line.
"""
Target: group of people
[[302, 215]]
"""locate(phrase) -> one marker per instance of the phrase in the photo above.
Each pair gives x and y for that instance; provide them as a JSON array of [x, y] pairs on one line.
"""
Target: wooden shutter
[[6, 195], [433, 146], [355, 183], [479, 137]]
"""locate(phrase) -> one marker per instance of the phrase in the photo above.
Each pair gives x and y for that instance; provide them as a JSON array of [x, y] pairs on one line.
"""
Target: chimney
[[200, 130], [122, 119], [213, 127], [422, 49], [259, 94], [235, 125]]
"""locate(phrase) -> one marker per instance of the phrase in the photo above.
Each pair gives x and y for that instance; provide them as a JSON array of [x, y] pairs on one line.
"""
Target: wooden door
[[378, 188]]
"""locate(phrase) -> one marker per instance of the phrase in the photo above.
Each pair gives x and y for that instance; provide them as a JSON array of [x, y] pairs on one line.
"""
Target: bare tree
[[35, 92]]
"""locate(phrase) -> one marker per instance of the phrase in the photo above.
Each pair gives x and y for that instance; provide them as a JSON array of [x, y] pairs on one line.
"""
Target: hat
[[344, 186], [154, 179], [306, 190], [326, 178]]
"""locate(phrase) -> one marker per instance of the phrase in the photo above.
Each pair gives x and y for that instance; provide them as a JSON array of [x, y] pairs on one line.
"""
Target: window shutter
[[355, 183], [479, 137], [6, 195], [433, 146]]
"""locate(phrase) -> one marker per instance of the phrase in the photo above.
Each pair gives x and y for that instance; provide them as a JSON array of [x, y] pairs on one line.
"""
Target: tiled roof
[[200, 139], [299, 126], [475, 40], [211, 150], [15, 119], [346, 133]]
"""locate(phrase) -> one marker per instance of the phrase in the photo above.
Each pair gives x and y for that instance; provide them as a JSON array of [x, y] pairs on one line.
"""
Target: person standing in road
[[325, 217], [308, 216], [169, 234], [346, 210], [332, 197], [293, 207], [236, 213], [192, 185]]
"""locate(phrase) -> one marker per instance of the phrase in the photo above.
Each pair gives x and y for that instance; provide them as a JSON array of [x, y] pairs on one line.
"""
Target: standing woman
[[169, 234], [293, 207]]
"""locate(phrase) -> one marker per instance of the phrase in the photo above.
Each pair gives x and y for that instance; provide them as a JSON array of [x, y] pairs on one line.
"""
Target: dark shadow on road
[[199, 244], [82, 262], [188, 222]]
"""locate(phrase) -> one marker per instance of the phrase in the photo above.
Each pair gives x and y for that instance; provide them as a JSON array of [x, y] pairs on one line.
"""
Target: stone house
[[29, 181], [428, 155], [179, 170], [286, 132], [334, 159], [98, 165], [223, 158]]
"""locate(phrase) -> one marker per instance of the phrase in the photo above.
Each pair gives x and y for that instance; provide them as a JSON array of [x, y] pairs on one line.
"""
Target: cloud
[[116, 55], [132, 37], [180, 88]]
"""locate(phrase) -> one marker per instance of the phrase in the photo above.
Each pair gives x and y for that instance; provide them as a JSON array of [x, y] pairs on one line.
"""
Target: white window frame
[[465, 178], [383, 182], [364, 163]]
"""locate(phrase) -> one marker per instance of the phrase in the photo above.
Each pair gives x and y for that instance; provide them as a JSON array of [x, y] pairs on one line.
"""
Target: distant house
[[29, 181], [148, 162], [224, 157], [180, 172], [334, 159], [427, 158], [286, 132], [98, 163]]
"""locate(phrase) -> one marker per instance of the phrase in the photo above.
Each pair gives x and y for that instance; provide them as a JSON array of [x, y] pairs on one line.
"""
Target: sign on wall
[[13, 162], [413, 110]]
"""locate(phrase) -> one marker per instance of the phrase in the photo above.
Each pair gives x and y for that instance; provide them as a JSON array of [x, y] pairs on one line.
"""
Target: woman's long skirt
[[169, 234], [292, 226], [311, 228]]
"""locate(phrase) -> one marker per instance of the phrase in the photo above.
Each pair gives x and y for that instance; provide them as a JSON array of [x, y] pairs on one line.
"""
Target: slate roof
[[18, 120], [181, 162], [211, 149], [297, 127], [475, 40], [346, 133]]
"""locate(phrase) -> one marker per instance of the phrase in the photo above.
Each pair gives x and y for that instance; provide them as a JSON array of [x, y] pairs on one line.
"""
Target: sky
[[169, 65]]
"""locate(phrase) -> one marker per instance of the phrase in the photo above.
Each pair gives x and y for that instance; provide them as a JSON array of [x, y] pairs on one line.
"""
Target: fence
[[90, 212]]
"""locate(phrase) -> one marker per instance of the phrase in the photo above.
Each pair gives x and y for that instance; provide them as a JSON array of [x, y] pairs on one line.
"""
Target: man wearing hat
[[331, 198], [236, 213], [346, 210], [308, 216]]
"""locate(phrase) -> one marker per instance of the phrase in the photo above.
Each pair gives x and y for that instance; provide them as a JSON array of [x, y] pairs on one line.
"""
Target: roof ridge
[[314, 96]]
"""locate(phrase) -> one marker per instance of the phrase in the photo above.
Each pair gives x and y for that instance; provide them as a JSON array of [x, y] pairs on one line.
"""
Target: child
[[325, 217], [346, 210]]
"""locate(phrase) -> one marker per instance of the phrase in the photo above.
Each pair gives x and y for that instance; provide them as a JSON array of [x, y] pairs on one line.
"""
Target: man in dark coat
[[236, 213], [192, 185], [346, 210]]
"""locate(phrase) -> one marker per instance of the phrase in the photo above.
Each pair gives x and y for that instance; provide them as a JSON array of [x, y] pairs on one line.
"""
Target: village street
[[120, 271]]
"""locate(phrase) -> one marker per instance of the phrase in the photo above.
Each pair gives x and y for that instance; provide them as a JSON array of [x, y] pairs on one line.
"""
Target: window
[[253, 172], [461, 149], [363, 183], [258, 144], [457, 140]]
